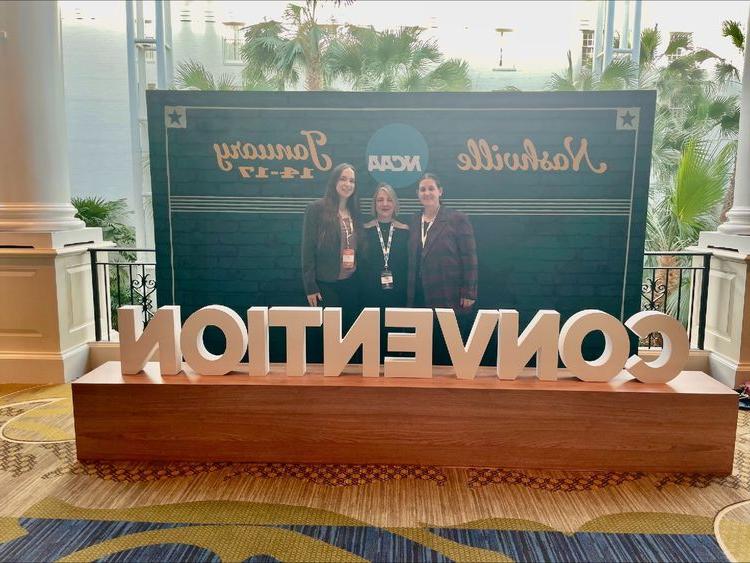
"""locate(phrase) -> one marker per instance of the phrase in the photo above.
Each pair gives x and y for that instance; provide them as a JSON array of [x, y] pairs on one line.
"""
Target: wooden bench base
[[687, 425]]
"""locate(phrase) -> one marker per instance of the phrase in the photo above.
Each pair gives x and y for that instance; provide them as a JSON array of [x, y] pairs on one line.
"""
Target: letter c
[[675, 347]]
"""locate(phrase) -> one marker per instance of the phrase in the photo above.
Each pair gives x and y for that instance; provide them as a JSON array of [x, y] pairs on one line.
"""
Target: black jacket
[[322, 261]]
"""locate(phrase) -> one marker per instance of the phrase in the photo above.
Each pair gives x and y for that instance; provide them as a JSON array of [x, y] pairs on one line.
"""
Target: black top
[[372, 265]]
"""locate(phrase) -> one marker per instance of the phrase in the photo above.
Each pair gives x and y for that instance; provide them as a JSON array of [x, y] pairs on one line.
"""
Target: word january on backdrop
[[542, 337]]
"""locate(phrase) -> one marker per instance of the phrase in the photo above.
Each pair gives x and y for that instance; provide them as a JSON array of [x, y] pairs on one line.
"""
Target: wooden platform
[[686, 425]]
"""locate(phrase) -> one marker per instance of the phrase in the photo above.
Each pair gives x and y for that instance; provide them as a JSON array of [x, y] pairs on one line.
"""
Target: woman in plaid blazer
[[442, 253]]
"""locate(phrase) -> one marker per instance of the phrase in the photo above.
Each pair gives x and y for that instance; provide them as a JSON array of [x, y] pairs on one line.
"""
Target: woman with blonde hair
[[385, 263]]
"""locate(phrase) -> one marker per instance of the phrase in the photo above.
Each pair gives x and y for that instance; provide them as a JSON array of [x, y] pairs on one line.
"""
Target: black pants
[[344, 294]]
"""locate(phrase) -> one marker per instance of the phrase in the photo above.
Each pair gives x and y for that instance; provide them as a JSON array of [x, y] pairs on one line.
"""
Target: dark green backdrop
[[547, 239]]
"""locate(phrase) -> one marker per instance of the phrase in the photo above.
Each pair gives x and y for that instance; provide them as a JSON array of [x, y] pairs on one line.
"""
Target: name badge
[[386, 279], [347, 257]]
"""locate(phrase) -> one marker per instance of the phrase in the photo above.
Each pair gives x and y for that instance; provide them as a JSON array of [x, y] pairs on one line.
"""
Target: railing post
[[95, 288], [704, 300]]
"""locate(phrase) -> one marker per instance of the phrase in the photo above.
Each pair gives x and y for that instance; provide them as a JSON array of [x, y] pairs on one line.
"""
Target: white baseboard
[[727, 371], [29, 367]]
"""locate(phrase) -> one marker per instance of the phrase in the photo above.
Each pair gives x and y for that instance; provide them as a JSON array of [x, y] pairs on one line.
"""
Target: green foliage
[[281, 53], [193, 75], [731, 29], [299, 50], [650, 41], [620, 74], [109, 215], [687, 203], [394, 60], [695, 127]]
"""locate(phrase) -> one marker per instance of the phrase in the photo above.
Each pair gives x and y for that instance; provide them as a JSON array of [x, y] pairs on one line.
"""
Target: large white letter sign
[[419, 343], [338, 351], [616, 345], [194, 349], [137, 345], [466, 359], [675, 347], [257, 337], [296, 320], [539, 337]]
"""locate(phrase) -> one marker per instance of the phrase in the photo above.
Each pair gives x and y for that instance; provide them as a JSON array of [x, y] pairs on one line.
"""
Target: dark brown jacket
[[322, 260], [448, 262]]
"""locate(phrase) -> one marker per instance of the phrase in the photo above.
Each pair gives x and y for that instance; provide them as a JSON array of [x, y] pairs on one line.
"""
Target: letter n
[[365, 332], [540, 338], [138, 345], [412, 163]]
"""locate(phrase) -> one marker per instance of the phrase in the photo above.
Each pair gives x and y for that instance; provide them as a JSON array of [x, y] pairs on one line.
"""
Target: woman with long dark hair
[[332, 234]]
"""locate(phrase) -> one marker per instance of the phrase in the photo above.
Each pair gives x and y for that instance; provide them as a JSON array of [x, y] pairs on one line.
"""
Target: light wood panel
[[686, 425]]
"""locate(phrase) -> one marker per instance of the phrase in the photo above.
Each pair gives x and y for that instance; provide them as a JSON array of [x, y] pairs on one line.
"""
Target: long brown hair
[[330, 224]]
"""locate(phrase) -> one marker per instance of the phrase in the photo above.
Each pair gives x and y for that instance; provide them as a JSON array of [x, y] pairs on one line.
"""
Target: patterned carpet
[[54, 508]]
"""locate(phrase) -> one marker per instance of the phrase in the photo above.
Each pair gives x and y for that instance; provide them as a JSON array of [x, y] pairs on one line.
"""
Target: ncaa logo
[[397, 154]]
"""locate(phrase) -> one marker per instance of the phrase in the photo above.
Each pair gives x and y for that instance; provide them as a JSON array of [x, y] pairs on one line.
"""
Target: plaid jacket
[[448, 264]]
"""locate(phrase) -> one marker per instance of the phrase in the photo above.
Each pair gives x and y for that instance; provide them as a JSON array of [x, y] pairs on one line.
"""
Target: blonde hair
[[383, 187]]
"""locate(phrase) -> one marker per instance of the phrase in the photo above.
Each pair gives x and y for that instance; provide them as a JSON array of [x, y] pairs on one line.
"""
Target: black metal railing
[[676, 283], [120, 276]]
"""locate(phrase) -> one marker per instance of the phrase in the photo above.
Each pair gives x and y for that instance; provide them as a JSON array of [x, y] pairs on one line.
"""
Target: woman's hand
[[313, 299], [465, 303]]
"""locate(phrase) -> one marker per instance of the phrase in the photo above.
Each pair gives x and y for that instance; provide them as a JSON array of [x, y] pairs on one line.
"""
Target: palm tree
[[619, 74], [192, 75], [679, 209], [299, 50], [687, 204], [395, 60], [689, 103], [282, 53], [725, 71]]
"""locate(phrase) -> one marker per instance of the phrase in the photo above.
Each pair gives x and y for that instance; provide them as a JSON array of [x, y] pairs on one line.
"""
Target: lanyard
[[424, 230], [386, 249], [347, 230]]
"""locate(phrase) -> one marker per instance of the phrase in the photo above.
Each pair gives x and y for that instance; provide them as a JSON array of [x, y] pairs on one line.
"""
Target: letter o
[[675, 347], [616, 347], [194, 350]]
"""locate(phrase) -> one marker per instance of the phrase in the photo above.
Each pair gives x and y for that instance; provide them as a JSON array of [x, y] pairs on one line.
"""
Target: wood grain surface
[[686, 425]]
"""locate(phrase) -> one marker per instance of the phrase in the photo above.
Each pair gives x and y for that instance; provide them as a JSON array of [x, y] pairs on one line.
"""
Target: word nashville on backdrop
[[542, 338]]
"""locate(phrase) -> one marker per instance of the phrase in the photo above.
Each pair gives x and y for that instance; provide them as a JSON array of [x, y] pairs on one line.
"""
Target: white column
[[35, 194], [728, 308], [46, 302], [739, 216]]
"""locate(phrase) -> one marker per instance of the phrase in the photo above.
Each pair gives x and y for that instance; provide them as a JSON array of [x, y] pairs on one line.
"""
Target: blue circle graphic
[[397, 154]]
